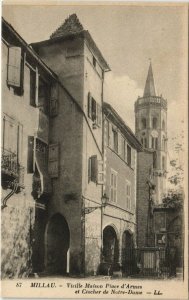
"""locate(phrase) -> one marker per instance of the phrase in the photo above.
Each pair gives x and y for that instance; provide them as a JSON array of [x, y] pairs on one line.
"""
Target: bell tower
[[151, 130]]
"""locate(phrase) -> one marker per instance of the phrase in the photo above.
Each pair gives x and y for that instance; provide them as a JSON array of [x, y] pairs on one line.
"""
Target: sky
[[128, 36]]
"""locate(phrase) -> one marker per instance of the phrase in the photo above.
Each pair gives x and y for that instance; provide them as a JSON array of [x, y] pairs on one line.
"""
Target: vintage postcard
[[94, 126]]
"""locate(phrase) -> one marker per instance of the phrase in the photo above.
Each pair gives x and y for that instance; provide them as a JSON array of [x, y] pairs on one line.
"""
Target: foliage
[[173, 200]]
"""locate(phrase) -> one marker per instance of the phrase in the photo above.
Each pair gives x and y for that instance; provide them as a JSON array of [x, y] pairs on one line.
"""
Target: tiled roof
[[70, 26]]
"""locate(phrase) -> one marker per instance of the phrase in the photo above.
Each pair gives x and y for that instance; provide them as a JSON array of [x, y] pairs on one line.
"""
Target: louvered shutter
[[14, 66], [94, 168], [53, 160], [54, 100], [93, 110], [89, 105], [20, 143], [100, 179]]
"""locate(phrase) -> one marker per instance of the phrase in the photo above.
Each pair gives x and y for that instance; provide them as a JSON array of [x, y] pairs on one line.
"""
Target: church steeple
[[149, 87]]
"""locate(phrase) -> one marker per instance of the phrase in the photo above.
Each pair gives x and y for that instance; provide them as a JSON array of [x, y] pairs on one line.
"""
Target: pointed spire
[[149, 87], [70, 25]]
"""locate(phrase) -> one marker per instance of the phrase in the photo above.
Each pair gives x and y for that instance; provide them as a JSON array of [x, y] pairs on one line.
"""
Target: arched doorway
[[110, 247], [128, 257], [57, 246]]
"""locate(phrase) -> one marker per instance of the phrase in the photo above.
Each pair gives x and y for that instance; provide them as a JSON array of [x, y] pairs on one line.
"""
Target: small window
[[154, 123], [125, 150], [92, 168], [32, 88], [154, 143], [94, 109], [113, 186], [30, 159], [128, 195], [129, 155], [143, 123]]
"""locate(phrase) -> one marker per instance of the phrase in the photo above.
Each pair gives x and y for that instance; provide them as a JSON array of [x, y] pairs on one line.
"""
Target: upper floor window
[[128, 195], [154, 123], [113, 186], [15, 69], [43, 96], [12, 145], [143, 121], [94, 111], [33, 87]]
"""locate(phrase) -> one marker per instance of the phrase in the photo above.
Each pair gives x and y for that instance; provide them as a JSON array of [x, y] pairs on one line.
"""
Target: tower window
[[163, 125], [144, 142], [163, 143], [163, 163], [143, 123], [154, 123], [154, 143]]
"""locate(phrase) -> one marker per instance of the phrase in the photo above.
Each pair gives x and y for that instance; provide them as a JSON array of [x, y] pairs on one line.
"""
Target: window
[[144, 142], [15, 69], [54, 100], [129, 155], [94, 111], [163, 162], [53, 161], [30, 159], [113, 186], [92, 168], [143, 123], [154, 143], [32, 88], [163, 143], [154, 123], [128, 195], [43, 97], [14, 66], [163, 125], [12, 139], [115, 139]]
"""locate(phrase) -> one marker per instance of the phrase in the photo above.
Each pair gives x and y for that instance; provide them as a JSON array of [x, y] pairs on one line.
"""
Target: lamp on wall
[[88, 210]]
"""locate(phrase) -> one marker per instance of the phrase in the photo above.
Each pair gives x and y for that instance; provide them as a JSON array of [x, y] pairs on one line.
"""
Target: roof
[[118, 121], [149, 89], [73, 28], [8, 27], [70, 25]]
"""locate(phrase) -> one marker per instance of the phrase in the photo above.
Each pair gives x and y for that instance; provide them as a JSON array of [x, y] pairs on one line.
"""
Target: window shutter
[[100, 179], [54, 100], [53, 160], [89, 169], [94, 168], [14, 66], [89, 105], [30, 161], [93, 110]]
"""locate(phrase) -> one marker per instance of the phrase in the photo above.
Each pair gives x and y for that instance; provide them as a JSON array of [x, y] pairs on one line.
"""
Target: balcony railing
[[11, 168]]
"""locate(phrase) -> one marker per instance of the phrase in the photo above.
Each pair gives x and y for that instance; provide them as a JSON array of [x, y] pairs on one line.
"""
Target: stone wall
[[16, 237]]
